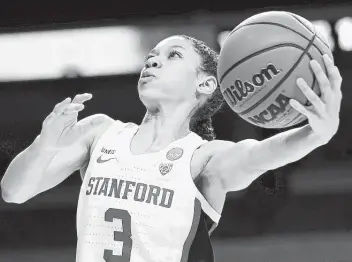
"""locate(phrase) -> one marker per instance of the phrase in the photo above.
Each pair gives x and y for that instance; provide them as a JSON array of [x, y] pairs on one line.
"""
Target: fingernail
[[300, 81]]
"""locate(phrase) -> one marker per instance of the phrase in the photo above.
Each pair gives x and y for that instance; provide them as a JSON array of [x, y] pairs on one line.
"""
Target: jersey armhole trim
[[97, 140], [207, 208]]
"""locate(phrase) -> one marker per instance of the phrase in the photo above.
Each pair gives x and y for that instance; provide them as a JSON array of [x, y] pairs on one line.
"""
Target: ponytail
[[203, 128]]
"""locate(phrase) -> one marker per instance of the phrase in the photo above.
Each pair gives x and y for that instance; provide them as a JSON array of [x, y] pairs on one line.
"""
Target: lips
[[147, 74]]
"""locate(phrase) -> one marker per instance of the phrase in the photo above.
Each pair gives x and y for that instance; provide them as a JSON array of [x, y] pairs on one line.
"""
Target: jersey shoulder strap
[[115, 127]]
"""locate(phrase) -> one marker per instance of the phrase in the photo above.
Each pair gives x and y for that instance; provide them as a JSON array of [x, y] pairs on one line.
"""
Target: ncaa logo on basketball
[[174, 153], [165, 168], [241, 89], [272, 112]]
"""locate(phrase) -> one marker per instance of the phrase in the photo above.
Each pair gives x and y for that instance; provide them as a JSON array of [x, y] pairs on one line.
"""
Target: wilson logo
[[241, 89]]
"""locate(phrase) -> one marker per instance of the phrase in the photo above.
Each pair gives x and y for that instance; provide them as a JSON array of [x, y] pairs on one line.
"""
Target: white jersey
[[139, 208]]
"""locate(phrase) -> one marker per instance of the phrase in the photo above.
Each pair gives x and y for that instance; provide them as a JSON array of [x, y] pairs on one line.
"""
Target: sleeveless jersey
[[141, 208]]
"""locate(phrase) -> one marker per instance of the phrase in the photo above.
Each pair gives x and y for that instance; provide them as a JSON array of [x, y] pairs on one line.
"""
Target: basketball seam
[[281, 81], [299, 21], [313, 83], [269, 23], [255, 54], [320, 52], [279, 25], [310, 30]]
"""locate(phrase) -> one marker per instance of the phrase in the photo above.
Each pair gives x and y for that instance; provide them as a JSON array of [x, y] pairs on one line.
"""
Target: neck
[[166, 125]]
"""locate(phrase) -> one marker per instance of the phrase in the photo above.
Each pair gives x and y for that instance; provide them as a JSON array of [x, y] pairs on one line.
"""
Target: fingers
[[333, 74], [80, 99], [310, 95], [299, 107], [49, 117], [323, 81], [77, 104], [66, 106], [73, 108], [60, 107], [326, 108], [70, 110]]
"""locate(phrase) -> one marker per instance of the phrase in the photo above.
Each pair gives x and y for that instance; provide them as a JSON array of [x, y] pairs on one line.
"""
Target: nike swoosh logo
[[100, 160]]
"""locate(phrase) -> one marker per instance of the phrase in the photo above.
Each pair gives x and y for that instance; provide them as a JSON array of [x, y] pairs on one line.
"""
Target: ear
[[208, 85]]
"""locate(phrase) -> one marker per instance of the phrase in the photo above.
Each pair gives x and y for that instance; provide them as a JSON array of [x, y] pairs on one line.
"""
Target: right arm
[[41, 167]]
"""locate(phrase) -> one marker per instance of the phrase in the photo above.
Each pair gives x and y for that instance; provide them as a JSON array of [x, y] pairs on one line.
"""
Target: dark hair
[[201, 121]]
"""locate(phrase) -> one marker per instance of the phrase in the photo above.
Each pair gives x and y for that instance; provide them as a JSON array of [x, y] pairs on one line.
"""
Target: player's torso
[[137, 208]]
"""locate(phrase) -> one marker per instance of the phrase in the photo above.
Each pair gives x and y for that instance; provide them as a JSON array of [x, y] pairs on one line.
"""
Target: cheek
[[189, 86], [180, 73], [184, 76], [182, 86], [178, 82]]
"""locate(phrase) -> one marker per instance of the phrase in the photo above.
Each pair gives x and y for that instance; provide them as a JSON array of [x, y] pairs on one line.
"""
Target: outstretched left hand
[[323, 113]]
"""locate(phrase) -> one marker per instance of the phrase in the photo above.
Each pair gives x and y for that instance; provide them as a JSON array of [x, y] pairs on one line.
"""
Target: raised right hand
[[60, 128]]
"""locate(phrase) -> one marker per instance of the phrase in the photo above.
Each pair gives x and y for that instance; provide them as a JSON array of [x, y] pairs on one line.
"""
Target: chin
[[147, 96], [148, 87]]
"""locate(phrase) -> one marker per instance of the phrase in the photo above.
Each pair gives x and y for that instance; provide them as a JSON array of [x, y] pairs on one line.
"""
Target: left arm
[[237, 165]]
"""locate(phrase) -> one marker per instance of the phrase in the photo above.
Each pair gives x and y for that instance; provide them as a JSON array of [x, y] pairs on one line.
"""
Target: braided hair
[[201, 121]]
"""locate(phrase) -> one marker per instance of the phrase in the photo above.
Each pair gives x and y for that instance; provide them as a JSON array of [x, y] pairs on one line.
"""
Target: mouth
[[147, 74]]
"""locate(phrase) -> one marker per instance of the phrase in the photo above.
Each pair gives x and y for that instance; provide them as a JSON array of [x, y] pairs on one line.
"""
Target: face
[[170, 72]]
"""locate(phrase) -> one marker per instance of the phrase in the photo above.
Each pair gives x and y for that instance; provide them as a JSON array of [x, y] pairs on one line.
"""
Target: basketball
[[260, 62]]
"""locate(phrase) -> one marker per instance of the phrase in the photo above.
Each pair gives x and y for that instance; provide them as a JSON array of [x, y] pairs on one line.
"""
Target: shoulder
[[214, 148], [214, 156], [100, 123], [205, 153], [98, 120]]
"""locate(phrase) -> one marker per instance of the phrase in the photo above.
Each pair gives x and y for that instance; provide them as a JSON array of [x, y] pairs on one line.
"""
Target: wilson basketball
[[259, 64]]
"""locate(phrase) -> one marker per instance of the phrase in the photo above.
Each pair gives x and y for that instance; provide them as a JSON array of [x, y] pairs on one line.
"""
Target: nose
[[153, 62]]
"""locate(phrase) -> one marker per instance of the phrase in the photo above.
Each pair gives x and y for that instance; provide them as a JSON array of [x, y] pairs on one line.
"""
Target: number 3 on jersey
[[123, 236]]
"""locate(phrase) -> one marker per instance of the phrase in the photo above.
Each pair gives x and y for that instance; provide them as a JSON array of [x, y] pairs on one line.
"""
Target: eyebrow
[[173, 46]]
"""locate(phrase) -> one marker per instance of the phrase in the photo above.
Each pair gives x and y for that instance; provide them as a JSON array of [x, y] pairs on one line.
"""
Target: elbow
[[12, 198]]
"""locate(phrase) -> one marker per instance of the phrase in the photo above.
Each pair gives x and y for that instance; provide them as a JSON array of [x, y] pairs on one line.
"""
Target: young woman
[[155, 191]]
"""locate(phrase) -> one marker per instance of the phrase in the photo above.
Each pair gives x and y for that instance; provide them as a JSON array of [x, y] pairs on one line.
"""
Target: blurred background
[[48, 51]]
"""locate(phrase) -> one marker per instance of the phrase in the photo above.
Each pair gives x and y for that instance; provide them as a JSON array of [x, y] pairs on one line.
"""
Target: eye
[[174, 53]]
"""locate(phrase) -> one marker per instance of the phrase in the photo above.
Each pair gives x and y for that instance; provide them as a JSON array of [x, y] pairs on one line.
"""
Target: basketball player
[[154, 191]]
